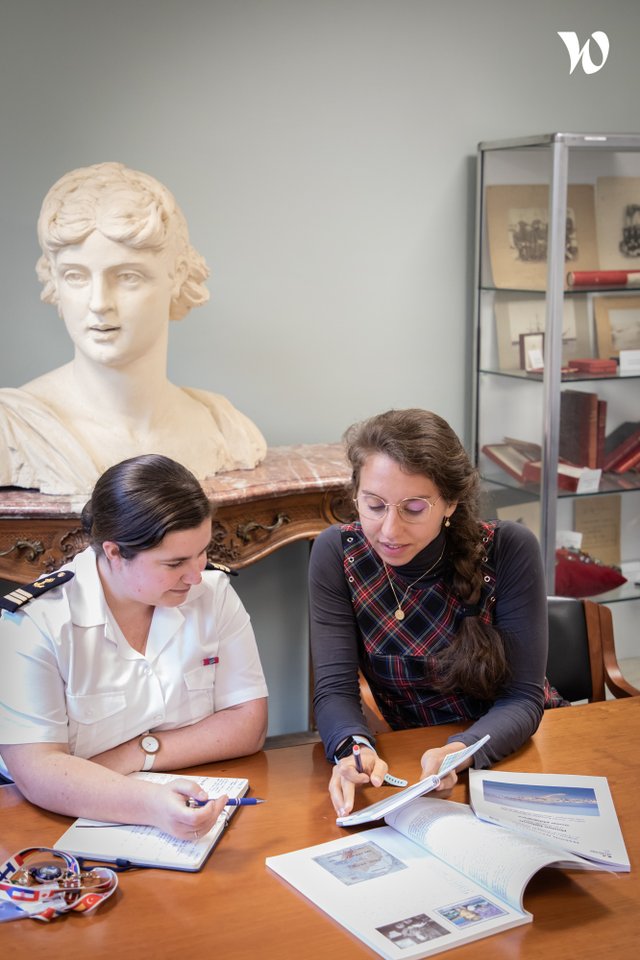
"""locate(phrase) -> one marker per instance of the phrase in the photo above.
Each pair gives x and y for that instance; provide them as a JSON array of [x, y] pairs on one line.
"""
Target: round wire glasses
[[411, 509]]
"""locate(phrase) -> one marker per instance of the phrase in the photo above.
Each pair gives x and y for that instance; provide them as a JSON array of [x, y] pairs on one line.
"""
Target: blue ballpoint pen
[[231, 802]]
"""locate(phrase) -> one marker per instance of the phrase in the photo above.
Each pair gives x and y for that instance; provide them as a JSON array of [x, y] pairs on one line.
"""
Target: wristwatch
[[150, 745], [345, 749]]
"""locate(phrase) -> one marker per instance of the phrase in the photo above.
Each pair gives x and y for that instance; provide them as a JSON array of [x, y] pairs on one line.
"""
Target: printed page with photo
[[573, 813], [434, 878]]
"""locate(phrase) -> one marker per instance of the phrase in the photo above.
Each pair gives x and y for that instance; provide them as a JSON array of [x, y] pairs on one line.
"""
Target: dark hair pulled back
[[137, 502], [421, 442]]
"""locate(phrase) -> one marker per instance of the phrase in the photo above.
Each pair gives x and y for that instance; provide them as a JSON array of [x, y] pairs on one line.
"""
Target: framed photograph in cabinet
[[618, 222], [531, 351], [517, 218], [617, 324], [518, 315]]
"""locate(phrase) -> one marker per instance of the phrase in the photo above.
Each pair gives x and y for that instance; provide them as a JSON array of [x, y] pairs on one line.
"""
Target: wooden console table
[[293, 494]]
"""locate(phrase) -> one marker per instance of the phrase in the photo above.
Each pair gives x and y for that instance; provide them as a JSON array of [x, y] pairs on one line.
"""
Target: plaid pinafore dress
[[399, 657]]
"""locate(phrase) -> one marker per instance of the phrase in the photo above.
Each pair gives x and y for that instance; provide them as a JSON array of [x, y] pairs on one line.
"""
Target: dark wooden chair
[[581, 664]]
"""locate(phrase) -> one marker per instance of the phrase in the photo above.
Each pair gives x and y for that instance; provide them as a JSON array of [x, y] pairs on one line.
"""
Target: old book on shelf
[[603, 278], [437, 876], [512, 456], [620, 442], [568, 474], [630, 462], [601, 434], [521, 460], [596, 365], [578, 442]]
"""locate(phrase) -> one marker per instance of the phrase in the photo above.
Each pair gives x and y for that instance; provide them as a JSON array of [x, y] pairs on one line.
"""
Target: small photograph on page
[[365, 861], [412, 931], [471, 911], [579, 801]]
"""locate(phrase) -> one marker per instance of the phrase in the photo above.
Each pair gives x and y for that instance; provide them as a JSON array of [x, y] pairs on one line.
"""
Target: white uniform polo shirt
[[69, 676]]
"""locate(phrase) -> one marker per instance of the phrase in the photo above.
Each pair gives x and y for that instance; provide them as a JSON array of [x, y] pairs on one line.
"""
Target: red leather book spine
[[620, 443], [593, 365], [629, 462], [603, 278]]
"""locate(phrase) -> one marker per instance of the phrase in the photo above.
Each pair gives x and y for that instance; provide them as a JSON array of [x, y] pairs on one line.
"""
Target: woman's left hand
[[431, 761]]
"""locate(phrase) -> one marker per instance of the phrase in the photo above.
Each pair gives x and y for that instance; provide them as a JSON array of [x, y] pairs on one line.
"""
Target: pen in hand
[[231, 802], [357, 758]]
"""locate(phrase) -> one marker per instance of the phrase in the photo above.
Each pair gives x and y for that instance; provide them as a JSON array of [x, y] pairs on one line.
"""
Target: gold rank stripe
[[30, 591], [19, 596]]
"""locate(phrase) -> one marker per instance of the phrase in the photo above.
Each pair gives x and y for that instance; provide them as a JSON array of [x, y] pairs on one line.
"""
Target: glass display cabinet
[[557, 350]]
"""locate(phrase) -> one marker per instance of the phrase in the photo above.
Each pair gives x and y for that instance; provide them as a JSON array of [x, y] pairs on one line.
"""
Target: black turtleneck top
[[520, 613]]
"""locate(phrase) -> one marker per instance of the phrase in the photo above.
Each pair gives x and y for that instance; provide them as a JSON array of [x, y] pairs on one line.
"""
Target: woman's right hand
[[172, 815], [345, 778]]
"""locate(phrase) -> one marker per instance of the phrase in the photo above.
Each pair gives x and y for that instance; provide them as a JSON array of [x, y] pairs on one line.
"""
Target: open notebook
[[145, 846]]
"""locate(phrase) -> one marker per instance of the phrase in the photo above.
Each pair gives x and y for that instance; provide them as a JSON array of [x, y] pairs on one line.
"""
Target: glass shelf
[[566, 377], [598, 289], [609, 483]]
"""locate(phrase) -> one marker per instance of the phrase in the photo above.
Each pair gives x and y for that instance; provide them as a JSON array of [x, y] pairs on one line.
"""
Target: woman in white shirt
[[140, 659]]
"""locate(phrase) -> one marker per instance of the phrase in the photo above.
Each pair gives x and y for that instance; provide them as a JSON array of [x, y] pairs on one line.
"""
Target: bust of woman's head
[[128, 207]]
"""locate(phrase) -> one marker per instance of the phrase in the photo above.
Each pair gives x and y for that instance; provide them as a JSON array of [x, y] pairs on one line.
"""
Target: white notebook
[[147, 846]]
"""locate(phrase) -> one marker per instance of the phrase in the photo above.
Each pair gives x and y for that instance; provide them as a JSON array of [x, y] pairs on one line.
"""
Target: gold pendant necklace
[[399, 613]]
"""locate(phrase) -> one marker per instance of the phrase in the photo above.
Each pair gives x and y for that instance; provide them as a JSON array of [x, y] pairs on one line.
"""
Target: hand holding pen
[[392, 781], [231, 802]]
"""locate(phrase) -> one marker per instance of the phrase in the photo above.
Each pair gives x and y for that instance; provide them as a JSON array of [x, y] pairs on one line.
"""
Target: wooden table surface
[[235, 908]]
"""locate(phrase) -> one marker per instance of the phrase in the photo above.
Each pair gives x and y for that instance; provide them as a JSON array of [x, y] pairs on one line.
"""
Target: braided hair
[[421, 442]]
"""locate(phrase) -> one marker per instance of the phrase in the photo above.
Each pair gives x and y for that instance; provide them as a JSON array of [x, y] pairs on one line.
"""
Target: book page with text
[[146, 845], [496, 858], [574, 813]]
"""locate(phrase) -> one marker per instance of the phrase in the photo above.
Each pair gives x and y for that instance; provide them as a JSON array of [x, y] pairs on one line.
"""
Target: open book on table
[[434, 878], [146, 846]]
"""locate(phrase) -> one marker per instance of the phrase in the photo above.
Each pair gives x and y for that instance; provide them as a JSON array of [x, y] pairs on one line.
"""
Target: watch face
[[150, 744]]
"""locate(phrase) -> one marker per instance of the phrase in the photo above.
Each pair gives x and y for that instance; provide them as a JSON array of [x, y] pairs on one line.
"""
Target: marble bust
[[118, 265]]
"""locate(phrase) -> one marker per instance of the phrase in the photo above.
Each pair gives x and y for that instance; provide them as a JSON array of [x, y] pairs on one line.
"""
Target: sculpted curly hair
[[126, 206]]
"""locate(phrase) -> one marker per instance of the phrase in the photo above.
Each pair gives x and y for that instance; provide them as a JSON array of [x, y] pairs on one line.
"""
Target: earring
[[447, 522]]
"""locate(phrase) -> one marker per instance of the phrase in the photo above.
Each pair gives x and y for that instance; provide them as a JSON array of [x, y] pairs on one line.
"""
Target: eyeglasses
[[411, 509]]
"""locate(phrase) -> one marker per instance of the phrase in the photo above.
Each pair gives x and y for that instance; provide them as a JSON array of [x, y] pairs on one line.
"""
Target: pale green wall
[[323, 152]]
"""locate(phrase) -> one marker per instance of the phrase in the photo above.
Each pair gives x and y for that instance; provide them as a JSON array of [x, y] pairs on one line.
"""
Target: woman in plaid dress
[[443, 613]]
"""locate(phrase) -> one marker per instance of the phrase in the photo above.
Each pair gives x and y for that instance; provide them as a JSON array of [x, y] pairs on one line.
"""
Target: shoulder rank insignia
[[211, 565], [29, 591]]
